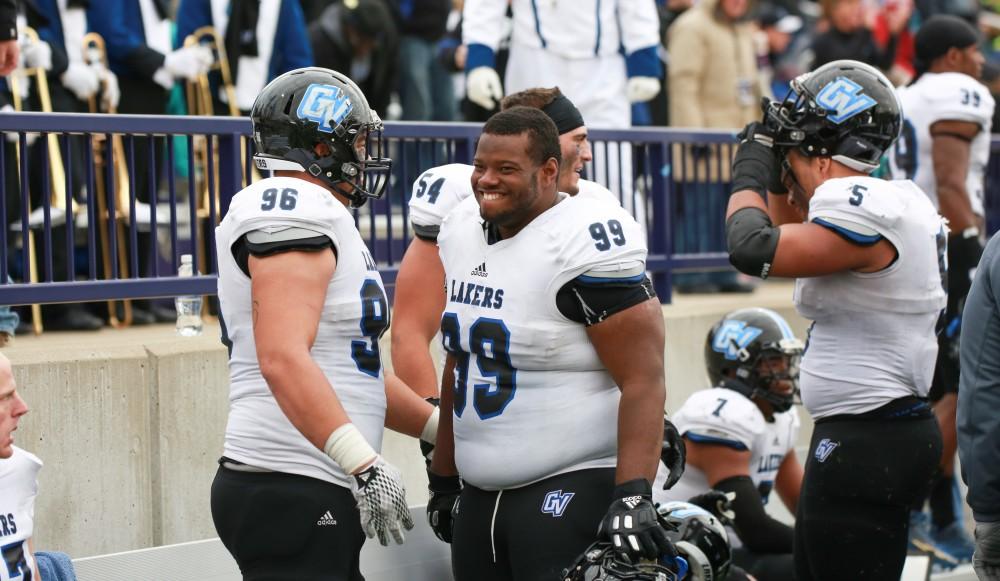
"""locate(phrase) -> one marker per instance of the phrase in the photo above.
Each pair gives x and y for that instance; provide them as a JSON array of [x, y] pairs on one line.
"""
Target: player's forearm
[[412, 362], [304, 395], [640, 429], [405, 412], [955, 206], [443, 463]]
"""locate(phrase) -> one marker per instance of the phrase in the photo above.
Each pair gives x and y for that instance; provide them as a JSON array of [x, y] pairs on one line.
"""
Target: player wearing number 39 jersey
[[869, 263], [302, 309], [553, 388]]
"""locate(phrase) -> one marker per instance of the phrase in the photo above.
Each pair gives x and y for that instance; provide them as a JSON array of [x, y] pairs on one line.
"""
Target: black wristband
[[443, 484], [638, 487]]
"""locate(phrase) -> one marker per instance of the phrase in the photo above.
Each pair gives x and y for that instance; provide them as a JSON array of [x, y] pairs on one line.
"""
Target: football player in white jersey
[[944, 147], [553, 390], [18, 487], [302, 307], [869, 264], [418, 303], [740, 436]]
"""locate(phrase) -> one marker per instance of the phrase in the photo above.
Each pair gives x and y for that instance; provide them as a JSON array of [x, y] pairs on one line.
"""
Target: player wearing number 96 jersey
[[302, 309], [553, 388]]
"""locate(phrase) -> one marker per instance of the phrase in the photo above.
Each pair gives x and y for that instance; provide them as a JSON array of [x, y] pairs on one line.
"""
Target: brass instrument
[[94, 53], [57, 175]]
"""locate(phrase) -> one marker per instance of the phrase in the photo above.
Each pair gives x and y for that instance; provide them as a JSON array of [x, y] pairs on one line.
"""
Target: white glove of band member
[[377, 486], [641, 89], [112, 93], [81, 79], [483, 87], [188, 62], [37, 55]]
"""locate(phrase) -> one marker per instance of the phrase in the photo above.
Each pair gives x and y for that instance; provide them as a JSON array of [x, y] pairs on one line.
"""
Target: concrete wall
[[130, 424]]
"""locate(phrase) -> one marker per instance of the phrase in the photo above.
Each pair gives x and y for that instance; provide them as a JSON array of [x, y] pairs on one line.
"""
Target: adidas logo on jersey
[[327, 520], [480, 271]]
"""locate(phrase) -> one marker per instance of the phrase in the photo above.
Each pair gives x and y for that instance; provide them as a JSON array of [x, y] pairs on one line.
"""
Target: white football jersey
[[18, 489], [355, 314], [532, 398], [942, 97], [872, 339], [441, 189], [726, 417]]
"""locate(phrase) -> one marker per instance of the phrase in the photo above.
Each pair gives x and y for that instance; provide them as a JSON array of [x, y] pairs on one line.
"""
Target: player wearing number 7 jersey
[[302, 310], [553, 390], [869, 276]]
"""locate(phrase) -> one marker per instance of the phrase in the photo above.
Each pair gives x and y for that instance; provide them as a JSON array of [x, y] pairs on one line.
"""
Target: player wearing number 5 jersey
[[869, 265], [553, 390], [302, 308]]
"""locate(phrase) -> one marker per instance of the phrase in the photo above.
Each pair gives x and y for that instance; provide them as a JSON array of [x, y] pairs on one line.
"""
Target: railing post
[[661, 232], [230, 169]]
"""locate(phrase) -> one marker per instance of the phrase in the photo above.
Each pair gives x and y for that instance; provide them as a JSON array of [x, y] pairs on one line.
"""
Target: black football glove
[[673, 453], [718, 503], [442, 506], [632, 526], [757, 166]]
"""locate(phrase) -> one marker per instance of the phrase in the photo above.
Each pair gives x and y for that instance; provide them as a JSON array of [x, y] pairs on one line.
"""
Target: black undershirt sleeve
[[243, 248], [428, 233], [759, 532], [589, 302]]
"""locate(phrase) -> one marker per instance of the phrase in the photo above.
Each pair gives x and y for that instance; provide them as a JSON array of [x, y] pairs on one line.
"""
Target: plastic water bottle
[[188, 306]]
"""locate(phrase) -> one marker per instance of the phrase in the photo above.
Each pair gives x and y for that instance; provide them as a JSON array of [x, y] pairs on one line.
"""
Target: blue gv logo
[[555, 502], [825, 448], [325, 105], [845, 98], [733, 338]]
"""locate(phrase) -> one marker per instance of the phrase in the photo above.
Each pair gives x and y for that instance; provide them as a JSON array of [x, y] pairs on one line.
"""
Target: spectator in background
[[8, 36], [991, 78], [849, 37], [138, 38], [359, 40], [714, 84], [777, 28], [425, 88], [257, 54]]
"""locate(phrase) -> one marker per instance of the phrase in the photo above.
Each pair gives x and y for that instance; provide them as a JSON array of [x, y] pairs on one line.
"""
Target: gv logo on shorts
[[325, 105], [555, 502], [843, 96], [825, 448]]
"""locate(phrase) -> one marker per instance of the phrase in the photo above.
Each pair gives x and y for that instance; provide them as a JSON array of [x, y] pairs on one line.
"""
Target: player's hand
[[82, 80], [718, 503], [632, 526], [756, 166], [483, 87], [381, 499], [673, 454], [442, 505], [641, 89]]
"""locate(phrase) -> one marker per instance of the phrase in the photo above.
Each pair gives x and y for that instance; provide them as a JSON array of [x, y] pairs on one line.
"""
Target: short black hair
[[543, 137]]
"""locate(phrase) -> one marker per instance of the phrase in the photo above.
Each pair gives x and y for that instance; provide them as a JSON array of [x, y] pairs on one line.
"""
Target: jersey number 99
[[374, 322], [489, 341]]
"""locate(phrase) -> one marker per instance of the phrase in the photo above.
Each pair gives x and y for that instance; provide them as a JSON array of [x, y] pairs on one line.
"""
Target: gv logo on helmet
[[325, 105], [733, 338], [844, 97]]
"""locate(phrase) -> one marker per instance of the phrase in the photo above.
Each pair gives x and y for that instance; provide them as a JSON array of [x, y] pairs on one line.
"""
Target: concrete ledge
[[130, 423]]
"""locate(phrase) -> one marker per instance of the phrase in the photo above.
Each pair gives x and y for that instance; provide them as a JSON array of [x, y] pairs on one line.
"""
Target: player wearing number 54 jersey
[[303, 307], [553, 389]]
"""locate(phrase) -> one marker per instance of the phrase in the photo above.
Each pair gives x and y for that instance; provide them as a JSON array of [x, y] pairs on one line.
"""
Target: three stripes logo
[[480, 271], [326, 520]]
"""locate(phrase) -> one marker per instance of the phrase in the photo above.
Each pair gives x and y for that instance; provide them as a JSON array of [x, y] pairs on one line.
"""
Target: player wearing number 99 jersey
[[302, 309], [553, 387]]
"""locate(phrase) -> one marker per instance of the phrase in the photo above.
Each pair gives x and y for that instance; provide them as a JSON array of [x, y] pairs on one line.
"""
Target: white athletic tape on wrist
[[430, 431], [349, 449]]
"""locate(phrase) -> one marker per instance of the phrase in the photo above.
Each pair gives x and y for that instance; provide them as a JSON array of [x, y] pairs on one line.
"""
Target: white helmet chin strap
[[276, 164]]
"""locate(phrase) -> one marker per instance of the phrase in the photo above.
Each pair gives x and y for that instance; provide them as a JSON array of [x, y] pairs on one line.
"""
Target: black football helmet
[[308, 106], [741, 343], [601, 562], [700, 539], [845, 109]]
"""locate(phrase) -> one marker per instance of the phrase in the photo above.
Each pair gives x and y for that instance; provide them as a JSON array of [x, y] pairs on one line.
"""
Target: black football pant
[[530, 533], [863, 474], [282, 526]]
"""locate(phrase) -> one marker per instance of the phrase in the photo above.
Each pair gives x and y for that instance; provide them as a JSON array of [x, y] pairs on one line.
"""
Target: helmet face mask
[[754, 352], [845, 110], [699, 537], [318, 121], [600, 562]]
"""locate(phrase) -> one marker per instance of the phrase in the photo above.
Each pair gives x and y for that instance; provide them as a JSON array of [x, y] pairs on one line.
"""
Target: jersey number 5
[[374, 322], [489, 341]]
